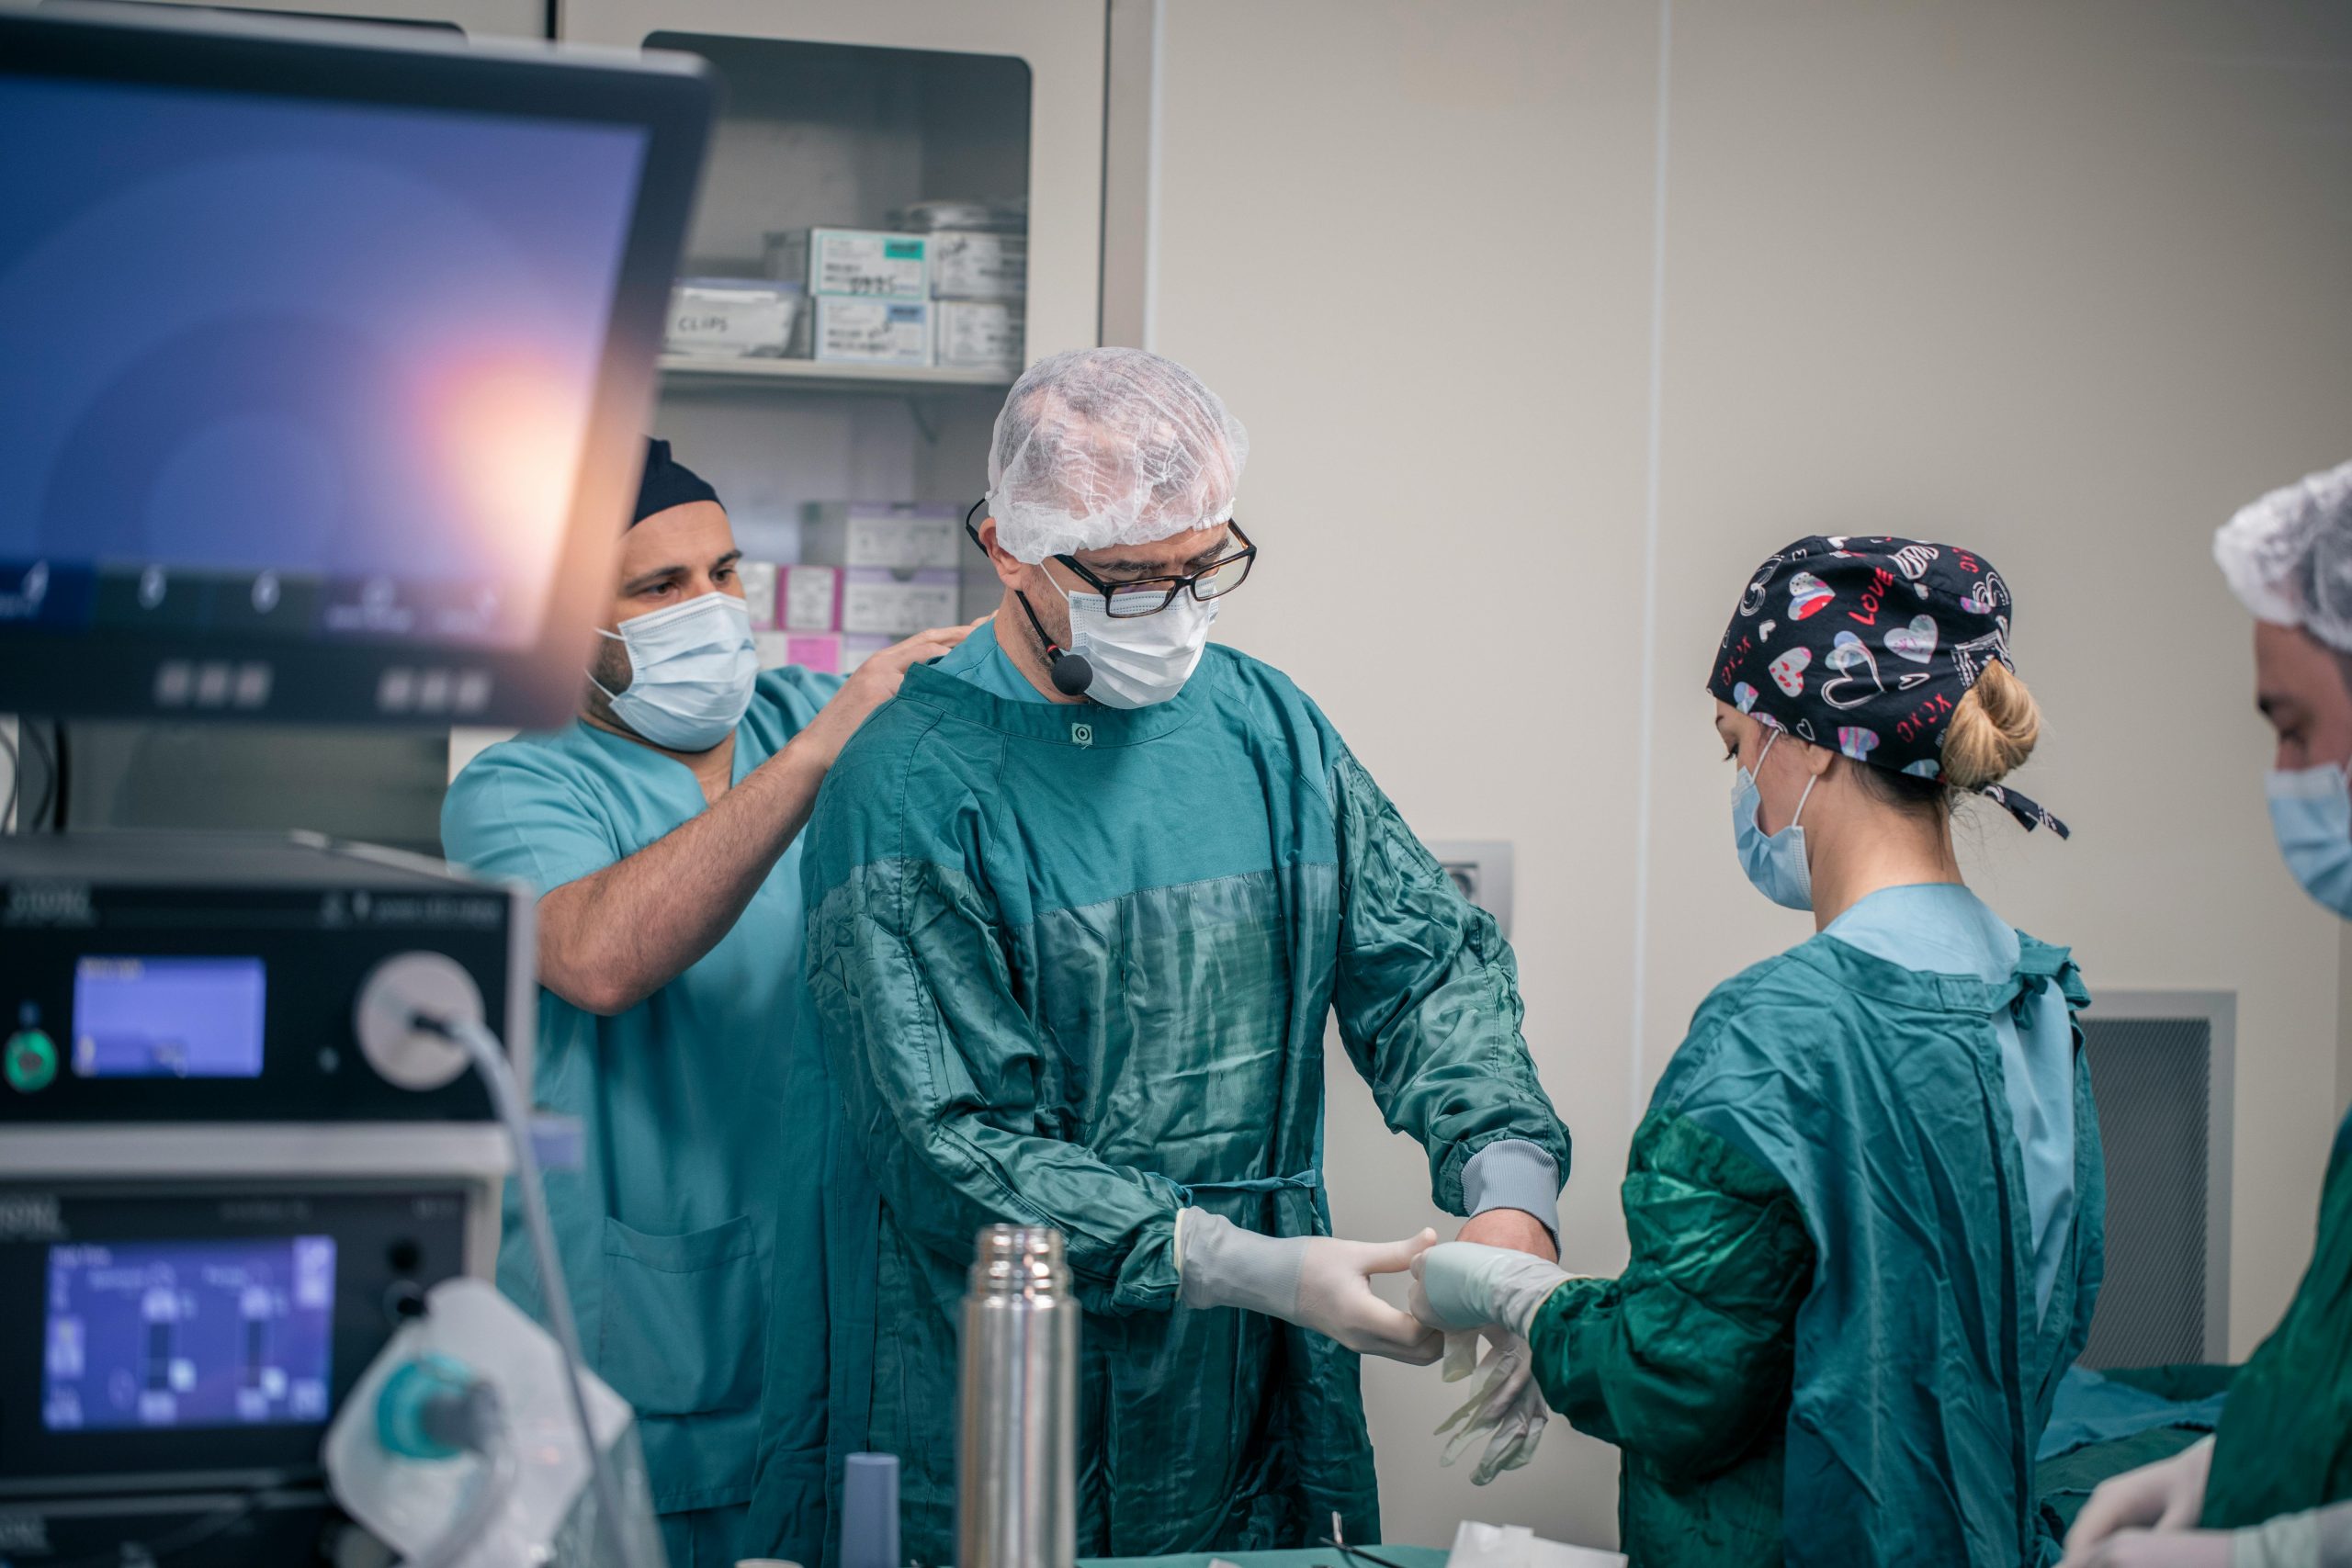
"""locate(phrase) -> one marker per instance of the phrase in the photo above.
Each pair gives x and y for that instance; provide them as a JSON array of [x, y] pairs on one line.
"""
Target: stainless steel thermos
[[1016, 1467]]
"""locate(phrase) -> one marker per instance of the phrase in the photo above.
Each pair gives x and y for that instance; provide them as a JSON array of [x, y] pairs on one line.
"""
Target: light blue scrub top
[[698, 1106], [1942, 928], [1509, 1173]]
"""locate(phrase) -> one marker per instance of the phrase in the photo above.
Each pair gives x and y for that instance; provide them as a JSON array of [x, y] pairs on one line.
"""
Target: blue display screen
[[168, 1018], [171, 1334], [282, 368]]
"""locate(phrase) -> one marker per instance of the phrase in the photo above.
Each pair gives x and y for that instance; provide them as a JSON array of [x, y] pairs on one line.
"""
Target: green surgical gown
[[1828, 1347], [2285, 1441], [705, 1120], [1073, 967]]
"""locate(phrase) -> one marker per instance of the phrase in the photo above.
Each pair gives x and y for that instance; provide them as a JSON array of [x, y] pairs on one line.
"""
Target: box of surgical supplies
[[906, 535], [861, 263], [977, 334], [811, 600], [758, 580], [878, 601], [979, 266], [826, 653], [733, 318], [869, 332]]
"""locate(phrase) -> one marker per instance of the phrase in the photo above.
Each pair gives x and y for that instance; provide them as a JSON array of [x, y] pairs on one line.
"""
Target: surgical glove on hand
[[1315, 1281], [1507, 1409], [2168, 1549], [2166, 1496], [1460, 1286]]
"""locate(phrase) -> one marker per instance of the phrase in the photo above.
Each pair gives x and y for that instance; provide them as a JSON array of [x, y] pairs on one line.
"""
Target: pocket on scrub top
[[684, 1321]]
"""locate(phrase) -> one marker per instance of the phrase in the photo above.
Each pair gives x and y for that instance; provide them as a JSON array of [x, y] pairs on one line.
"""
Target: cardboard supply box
[[869, 332], [758, 580], [867, 264], [811, 600], [738, 318], [826, 653], [869, 600], [910, 537], [977, 334], [978, 267], [878, 601]]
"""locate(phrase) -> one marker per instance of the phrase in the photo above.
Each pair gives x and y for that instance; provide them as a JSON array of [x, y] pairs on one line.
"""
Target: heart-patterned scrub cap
[[1869, 645]]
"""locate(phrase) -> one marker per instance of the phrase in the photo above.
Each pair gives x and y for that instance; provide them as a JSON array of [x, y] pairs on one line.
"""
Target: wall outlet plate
[[1481, 869]]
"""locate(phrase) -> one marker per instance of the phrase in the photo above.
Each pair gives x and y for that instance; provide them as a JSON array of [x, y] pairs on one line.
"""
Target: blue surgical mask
[[2311, 814], [690, 670], [1775, 863]]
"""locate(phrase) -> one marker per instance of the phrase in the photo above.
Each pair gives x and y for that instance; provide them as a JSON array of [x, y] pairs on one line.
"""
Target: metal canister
[[1016, 1464]]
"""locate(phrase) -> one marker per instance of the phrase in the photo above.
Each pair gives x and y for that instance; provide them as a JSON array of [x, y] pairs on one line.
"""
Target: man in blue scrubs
[[661, 830]]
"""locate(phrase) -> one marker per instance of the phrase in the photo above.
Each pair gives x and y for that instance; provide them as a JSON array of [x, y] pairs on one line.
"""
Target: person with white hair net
[[1082, 902], [2272, 1487]]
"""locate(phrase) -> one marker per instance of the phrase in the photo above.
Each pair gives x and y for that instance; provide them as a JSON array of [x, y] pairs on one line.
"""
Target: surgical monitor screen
[[324, 361], [188, 1332], [307, 369], [168, 1018]]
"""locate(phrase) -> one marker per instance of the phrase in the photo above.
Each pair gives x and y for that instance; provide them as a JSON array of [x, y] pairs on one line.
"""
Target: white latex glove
[[1316, 1281], [2166, 1496], [1507, 1409], [1462, 1286], [2151, 1549]]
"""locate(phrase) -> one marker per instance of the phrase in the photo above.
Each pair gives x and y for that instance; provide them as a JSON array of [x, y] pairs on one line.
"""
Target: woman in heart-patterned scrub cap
[[1866, 1203]]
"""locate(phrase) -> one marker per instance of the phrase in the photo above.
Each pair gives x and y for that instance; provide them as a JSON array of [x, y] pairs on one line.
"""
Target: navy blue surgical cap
[[667, 483]]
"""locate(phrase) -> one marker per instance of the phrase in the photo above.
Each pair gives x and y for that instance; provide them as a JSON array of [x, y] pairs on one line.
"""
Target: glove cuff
[[1223, 1265]]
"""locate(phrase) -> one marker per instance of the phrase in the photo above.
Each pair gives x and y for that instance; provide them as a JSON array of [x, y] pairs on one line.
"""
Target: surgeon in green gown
[[1081, 904], [2272, 1488], [1866, 1201], [661, 830]]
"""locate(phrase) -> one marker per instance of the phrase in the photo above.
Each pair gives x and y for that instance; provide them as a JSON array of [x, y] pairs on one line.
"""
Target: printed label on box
[[812, 599], [979, 335], [820, 651], [758, 580], [873, 331], [730, 321], [861, 263], [875, 600], [911, 541], [979, 266]]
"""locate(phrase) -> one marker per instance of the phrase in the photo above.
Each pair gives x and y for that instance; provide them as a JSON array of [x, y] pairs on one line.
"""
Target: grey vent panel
[[2161, 1070]]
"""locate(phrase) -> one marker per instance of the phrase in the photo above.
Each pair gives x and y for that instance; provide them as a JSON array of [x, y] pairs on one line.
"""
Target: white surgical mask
[[1775, 863], [1139, 659], [691, 670], [2311, 815]]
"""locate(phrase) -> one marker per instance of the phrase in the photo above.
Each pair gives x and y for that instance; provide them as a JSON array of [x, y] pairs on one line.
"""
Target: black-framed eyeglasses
[[1149, 595]]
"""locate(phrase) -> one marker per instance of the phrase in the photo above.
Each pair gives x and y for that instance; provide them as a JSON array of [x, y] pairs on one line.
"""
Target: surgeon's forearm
[[614, 937]]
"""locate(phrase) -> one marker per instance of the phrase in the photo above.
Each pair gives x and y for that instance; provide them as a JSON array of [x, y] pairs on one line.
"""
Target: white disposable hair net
[[1104, 446], [2289, 557]]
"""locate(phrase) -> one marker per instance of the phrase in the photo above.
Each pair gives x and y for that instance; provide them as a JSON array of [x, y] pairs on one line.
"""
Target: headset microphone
[[1071, 672]]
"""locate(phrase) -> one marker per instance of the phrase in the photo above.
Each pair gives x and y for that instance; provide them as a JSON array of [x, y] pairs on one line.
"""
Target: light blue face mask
[[690, 670], [1775, 863], [2311, 814]]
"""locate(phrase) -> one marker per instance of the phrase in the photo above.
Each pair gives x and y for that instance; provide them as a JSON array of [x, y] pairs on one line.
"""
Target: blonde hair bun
[[1991, 730]]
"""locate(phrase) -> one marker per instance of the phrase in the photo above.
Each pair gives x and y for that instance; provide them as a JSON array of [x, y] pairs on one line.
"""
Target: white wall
[[2066, 284]]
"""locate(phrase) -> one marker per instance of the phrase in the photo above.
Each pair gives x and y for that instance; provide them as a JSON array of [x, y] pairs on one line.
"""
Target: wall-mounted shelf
[[683, 373]]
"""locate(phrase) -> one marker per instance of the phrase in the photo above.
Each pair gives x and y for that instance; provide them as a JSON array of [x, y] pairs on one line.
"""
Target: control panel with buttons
[[248, 978]]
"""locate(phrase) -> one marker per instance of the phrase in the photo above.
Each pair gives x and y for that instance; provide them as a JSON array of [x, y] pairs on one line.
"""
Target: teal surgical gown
[[705, 1118], [1073, 967], [1866, 1222]]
